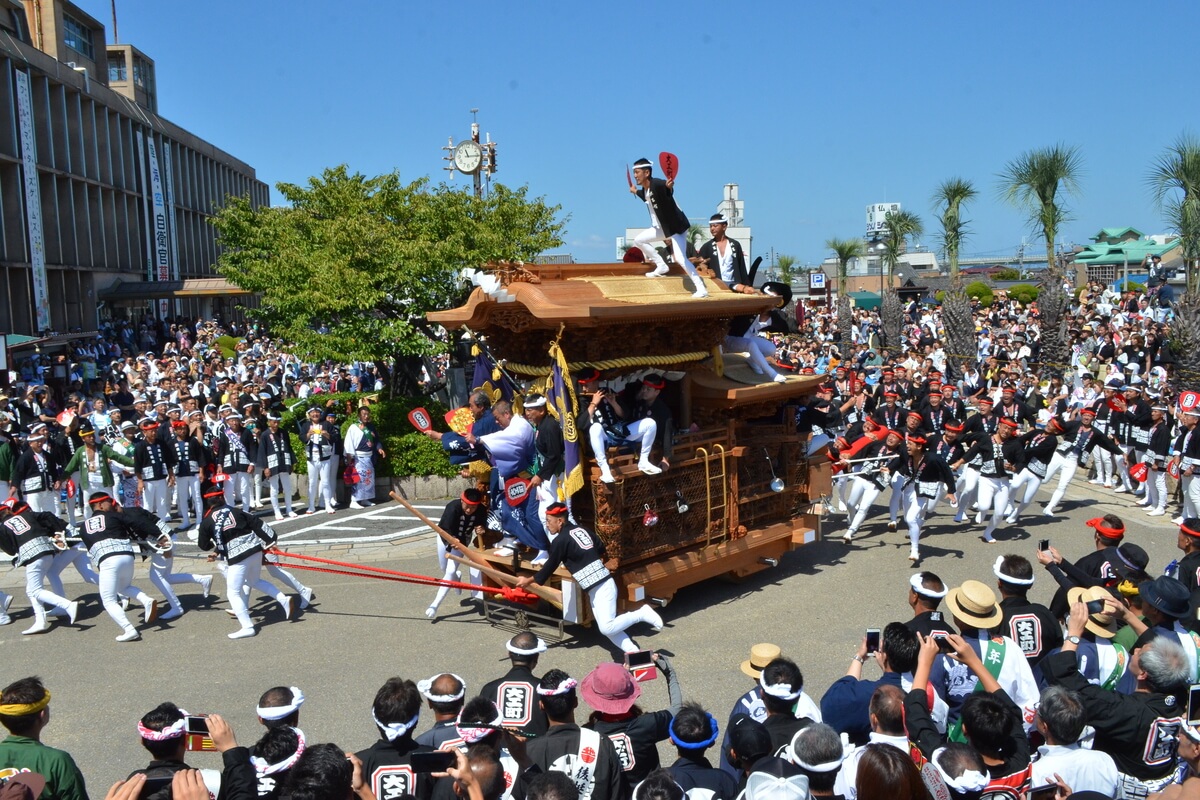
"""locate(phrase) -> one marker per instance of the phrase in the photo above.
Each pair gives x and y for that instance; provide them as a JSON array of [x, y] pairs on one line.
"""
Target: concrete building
[[104, 205]]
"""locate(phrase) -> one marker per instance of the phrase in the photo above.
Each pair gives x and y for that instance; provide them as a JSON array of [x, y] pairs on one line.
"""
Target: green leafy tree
[[1033, 181], [898, 226], [845, 250], [697, 235], [348, 270], [949, 199], [1174, 181], [785, 266]]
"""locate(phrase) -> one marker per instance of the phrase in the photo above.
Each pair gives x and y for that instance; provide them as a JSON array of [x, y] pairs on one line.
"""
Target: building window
[[143, 74], [78, 37], [117, 72]]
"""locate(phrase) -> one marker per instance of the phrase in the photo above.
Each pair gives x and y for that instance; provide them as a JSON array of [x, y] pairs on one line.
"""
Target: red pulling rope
[[510, 593]]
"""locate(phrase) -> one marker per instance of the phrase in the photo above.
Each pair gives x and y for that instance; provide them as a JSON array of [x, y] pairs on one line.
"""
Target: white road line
[[341, 528], [337, 520], [379, 538]]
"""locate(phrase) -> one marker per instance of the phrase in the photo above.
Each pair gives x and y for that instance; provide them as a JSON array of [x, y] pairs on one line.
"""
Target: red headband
[[917, 439], [660, 385], [1106, 532], [950, 426], [1010, 422], [1091, 412], [1189, 531]]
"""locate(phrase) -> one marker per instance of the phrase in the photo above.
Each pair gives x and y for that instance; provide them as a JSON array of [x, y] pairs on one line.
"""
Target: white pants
[[35, 589], [320, 483], [1023, 489], [993, 495], [1156, 489], [916, 509], [1191, 496], [77, 555], [244, 574], [1068, 462], [648, 237], [897, 487], [642, 429], [965, 490], [547, 495], [603, 597], [188, 488], [450, 573], [116, 576], [156, 498], [1128, 456], [43, 501], [241, 482], [163, 577], [1104, 465], [862, 495], [278, 481], [283, 576], [757, 349]]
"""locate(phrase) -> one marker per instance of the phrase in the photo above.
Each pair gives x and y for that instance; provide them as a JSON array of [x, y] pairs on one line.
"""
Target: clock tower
[[472, 157]]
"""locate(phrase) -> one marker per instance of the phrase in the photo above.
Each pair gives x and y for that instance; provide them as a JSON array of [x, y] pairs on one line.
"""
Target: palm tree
[[1175, 184], [785, 266], [956, 306], [1032, 181], [949, 198], [845, 250], [898, 226]]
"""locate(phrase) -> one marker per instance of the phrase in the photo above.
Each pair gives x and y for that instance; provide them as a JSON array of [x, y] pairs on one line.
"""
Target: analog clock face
[[468, 156]]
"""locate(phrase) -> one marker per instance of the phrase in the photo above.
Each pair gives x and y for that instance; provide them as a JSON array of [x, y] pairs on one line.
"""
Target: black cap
[[749, 738]]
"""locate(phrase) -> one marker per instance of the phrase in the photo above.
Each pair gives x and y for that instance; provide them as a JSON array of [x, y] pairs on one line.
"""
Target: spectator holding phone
[[845, 705], [163, 732], [613, 693]]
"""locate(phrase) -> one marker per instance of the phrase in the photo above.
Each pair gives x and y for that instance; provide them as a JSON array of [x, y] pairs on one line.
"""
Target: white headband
[[827, 766], [537, 649], [539, 403], [394, 730], [918, 585], [263, 768], [474, 732], [424, 688], [1009, 578], [172, 731], [781, 690], [969, 781], [273, 713], [566, 686]]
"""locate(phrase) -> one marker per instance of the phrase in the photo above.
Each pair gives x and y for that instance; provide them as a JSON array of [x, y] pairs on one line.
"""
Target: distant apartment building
[[104, 205]]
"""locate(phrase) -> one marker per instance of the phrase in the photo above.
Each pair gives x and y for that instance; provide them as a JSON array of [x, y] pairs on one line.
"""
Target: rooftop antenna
[[116, 39]]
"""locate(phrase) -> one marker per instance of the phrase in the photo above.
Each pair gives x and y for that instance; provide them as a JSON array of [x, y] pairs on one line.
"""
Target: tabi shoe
[[38, 627], [5, 604], [1095, 481], [288, 605], [606, 475], [1177, 520], [541, 558], [914, 555], [130, 635], [1156, 512], [279, 517], [5, 619], [329, 508], [891, 526], [647, 468], [659, 271], [72, 611], [701, 289], [1047, 512], [243, 633], [1011, 519], [206, 585], [431, 612], [1120, 489], [150, 610], [307, 595], [356, 504], [651, 616], [779, 378], [174, 613]]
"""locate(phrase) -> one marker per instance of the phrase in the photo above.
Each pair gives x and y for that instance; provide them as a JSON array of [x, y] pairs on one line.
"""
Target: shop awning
[[163, 290]]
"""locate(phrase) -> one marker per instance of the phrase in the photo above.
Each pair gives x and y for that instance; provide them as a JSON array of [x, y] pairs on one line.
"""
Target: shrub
[[980, 291], [1133, 286], [1008, 274], [939, 296], [227, 345], [1024, 293], [408, 452]]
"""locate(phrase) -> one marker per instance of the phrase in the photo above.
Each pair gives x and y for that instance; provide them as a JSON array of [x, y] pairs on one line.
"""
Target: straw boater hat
[[975, 603], [760, 655], [1102, 624]]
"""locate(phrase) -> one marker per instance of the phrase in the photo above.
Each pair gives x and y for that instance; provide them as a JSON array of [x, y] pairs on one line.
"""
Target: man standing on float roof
[[667, 224]]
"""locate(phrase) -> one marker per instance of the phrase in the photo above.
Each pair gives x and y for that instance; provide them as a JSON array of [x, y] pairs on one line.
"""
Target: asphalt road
[[815, 605]]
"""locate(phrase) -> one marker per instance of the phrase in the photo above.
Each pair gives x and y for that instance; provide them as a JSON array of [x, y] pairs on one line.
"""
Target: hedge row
[[408, 452]]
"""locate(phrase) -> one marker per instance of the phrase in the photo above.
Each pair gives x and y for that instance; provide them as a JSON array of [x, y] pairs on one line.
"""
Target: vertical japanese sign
[[33, 204], [170, 179], [161, 251]]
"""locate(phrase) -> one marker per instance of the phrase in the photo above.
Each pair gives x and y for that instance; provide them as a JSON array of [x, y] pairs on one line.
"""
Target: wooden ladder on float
[[709, 477]]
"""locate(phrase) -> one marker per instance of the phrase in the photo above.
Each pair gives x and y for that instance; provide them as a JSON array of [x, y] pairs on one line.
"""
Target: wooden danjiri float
[[719, 512]]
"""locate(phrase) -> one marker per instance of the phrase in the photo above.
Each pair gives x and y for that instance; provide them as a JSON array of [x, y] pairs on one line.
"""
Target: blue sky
[[814, 109]]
